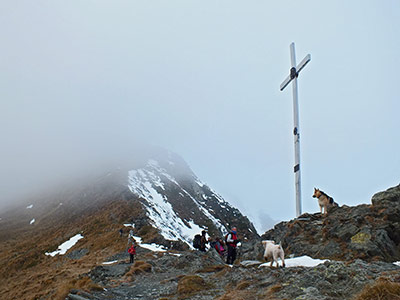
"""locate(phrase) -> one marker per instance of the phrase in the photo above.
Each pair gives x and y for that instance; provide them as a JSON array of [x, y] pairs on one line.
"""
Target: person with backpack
[[231, 241], [196, 241], [219, 246], [132, 253], [131, 238]]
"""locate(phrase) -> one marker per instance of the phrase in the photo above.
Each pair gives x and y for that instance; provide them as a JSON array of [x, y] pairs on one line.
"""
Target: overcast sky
[[83, 82]]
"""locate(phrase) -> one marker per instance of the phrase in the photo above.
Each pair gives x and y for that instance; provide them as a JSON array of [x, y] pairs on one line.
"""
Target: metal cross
[[294, 73]]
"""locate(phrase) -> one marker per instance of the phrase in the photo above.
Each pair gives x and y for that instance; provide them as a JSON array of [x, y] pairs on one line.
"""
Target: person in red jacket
[[231, 242], [132, 252]]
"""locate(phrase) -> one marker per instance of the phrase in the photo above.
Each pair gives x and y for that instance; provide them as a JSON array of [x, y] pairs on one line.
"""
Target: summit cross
[[292, 78]]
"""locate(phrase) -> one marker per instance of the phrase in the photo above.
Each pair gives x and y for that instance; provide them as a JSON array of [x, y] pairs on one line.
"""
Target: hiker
[[132, 252], [203, 241], [131, 239], [231, 242], [196, 241], [218, 245]]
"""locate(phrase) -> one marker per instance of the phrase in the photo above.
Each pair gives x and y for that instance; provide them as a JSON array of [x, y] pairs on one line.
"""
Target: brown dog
[[324, 200]]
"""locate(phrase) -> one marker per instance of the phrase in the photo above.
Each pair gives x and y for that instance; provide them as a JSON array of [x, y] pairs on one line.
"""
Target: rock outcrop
[[368, 232]]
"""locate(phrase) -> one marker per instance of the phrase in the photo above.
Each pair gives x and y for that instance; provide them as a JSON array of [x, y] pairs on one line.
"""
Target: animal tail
[[332, 202]]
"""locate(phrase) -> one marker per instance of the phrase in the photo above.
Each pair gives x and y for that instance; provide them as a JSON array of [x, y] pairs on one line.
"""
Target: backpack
[[197, 241], [226, 237]]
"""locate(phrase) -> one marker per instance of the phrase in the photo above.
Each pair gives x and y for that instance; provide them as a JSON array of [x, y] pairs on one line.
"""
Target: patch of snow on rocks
[[64, 247], [301, 261]]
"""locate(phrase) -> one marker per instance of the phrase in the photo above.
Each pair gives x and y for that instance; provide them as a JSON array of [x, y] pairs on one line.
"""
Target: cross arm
[[303, 63], [286, 82], [299, 67]]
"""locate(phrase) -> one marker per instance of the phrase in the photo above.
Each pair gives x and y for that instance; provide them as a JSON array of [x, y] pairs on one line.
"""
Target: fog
[[85, 84]]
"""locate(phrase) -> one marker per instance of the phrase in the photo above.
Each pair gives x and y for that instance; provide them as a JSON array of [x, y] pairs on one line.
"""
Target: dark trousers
[[231, 255], [131, 258]]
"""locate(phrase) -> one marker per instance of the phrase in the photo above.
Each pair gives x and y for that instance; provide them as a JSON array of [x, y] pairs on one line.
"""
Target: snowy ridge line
[[216, 222], [154, 165], [217, 196], [205, 210], [142, 182]]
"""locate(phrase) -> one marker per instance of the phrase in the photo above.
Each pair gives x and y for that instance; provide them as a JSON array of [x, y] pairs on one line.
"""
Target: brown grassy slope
[[27, 273]]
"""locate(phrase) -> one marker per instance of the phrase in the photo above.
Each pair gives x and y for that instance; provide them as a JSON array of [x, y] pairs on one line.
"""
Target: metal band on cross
[[294, 73]]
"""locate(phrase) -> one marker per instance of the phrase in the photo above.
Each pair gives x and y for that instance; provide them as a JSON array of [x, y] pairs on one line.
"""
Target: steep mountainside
[[160, 198], [179, 205]]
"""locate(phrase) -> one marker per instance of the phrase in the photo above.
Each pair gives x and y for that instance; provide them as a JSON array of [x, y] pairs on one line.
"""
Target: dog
[[274, 251], [324, 201]]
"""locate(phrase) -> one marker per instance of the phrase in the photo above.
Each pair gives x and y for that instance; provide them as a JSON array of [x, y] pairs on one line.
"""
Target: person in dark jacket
[[203, 241], [231, 242]]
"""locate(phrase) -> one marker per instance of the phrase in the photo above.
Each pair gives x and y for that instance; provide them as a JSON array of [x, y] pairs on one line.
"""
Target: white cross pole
[[294, 73]]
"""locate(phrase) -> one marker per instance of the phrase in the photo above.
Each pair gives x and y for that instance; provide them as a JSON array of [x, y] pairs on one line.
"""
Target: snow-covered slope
[[179, 205]]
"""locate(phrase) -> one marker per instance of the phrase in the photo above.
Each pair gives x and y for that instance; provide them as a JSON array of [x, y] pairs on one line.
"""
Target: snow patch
[[301, 261], [64, 247], [397, 263], [29, 206], [129, 225], [197, 180], [109, 262], [32, 221], [152, 247]]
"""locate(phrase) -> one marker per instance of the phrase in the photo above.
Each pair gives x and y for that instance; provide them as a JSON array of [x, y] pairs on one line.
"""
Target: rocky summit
[[73, 244], [369, 232]]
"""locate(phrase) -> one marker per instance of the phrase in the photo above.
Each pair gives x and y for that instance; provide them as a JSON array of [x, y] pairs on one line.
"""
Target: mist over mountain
[[172, 199]]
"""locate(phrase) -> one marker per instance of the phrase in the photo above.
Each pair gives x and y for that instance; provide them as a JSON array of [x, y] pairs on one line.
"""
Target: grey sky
[[82, 82]]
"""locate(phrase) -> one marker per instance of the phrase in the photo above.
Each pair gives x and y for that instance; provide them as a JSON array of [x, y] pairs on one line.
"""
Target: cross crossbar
[[299, 67]]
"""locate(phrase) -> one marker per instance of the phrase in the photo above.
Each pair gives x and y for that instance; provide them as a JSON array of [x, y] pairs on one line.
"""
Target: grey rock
[[388, 197], [102, 274], [250, 263], [76, 297], [77, 254], [329, 250]]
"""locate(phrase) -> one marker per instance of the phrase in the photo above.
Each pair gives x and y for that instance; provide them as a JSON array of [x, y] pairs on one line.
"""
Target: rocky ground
[[360, 242], [195, 275]]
